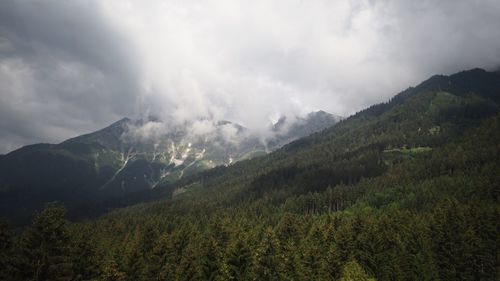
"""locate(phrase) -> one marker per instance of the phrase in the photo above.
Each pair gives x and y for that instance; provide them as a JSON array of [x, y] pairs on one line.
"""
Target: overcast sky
[[70, 67]]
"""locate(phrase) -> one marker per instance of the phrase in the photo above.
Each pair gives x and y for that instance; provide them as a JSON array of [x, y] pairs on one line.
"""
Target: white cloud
[[244, 61]]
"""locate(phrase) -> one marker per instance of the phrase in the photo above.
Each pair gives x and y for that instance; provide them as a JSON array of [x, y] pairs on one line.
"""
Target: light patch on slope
[[200, 154], [186, 153], [230, 161], [178, 191], [173, 159], [130, 155]]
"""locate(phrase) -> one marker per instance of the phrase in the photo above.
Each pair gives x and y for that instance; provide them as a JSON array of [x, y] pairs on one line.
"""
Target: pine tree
[[313, 264], [352, 271], [84, 257], [236, 260], [208, 258], [46, 247], [453, 242], [133, 260], [267, 258], [175, 246], [289, 235], [111, 272], [6, 271], [156, 259]]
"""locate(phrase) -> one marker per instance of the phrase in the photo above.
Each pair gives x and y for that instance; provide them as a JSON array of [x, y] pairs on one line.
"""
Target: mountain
[[430, 115], [305, 126], [403, 190], [365, 145], [130, 156]]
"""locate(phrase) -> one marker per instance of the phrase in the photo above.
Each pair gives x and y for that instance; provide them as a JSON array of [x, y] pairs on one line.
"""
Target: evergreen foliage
[[407, 190]]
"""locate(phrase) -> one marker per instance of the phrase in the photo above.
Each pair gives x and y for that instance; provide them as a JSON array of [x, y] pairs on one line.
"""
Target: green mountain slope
[[364, 145], [430, 115], [430, 216]]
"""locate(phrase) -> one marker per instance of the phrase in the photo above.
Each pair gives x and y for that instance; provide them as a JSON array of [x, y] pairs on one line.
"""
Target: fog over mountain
[[70, 67]]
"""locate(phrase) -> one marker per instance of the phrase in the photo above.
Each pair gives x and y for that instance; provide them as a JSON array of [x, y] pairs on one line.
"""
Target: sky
[[71, 67]]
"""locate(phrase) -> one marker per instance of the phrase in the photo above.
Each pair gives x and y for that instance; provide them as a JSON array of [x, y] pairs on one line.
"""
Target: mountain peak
[[319, 112], [124, 120], [108, 137], [120, 123]]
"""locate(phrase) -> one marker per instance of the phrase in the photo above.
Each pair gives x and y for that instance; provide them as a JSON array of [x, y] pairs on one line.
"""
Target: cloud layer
[[68, 67]]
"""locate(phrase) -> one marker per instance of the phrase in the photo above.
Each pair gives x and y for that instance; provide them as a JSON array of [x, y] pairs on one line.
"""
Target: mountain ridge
[[123, 158], [426, 115], [417, 133], [361, 146]]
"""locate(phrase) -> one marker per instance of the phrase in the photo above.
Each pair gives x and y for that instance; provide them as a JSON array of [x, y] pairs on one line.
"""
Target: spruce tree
[[352, 271], [236, 260], [46, 252], [111, 272], [5, 252], [84, 257], [267, 258]]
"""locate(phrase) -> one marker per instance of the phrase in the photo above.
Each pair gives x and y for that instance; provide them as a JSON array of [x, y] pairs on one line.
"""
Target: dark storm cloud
[[63, 71], [67, 67], [443, 36]]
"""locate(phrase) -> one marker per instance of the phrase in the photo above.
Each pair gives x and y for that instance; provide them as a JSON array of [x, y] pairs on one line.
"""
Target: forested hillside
[[404, 190]]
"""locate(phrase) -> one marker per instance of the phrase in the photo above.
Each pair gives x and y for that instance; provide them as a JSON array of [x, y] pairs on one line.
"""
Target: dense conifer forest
[[404, 190]]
